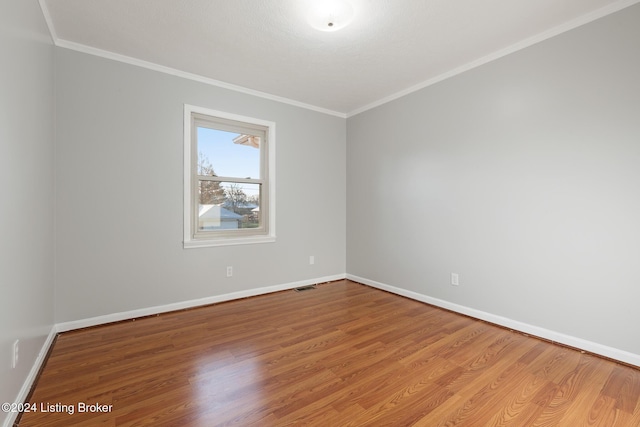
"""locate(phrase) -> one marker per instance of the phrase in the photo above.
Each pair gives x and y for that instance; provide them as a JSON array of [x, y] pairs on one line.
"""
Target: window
[[229, 179]]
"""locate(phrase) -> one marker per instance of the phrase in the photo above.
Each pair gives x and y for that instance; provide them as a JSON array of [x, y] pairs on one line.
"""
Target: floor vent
[[305, 288]]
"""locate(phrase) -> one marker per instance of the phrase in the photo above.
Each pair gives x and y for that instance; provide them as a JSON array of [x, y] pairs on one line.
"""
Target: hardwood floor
[[343, 354]]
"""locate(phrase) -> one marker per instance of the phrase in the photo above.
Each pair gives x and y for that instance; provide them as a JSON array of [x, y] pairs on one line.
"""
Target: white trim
[[567, 26], [595, 348], [222, 241], [150, 311], [49, 21], [190, 76], [579, 343], [33, 374], [270, 237]]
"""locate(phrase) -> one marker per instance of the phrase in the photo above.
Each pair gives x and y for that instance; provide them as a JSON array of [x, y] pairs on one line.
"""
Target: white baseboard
[[579, 343], [33, 374], [150, 311], [612, 353]]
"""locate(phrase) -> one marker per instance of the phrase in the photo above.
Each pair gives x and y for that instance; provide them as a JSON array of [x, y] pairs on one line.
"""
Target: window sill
[[190, 244]]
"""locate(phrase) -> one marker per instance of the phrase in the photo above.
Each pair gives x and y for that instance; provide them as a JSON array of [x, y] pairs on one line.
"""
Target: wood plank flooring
[[343, 354]]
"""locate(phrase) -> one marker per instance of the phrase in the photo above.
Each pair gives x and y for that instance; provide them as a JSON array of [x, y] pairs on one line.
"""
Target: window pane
[[228, 206], [229, 154]]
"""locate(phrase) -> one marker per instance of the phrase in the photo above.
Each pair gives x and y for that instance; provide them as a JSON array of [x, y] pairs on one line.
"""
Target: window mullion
[[227, 179]]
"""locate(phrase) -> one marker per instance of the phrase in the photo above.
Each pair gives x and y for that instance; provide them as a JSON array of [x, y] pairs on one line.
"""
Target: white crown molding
[[190, 76], [48, 20], [568, 340], [567, 26]]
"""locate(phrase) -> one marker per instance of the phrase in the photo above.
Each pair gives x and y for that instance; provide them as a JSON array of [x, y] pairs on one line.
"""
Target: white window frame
[[267, 232]]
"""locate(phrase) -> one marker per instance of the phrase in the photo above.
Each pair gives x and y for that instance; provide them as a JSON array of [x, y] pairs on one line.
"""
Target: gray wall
[[523, 176], [119, 189], [26, 189]]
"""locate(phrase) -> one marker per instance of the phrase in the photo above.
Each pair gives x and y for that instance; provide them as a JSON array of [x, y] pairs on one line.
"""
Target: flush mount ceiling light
[[330, 15]]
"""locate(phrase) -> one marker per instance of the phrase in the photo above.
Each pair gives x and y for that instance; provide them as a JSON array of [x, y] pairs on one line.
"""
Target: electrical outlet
[[16, 353], [312, 260], [455, 280], [229, 271]]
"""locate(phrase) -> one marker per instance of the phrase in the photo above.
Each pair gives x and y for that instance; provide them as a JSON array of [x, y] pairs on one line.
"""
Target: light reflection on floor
[[222, 383]]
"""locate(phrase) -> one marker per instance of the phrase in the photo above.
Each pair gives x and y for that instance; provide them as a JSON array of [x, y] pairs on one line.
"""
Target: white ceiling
[[392, 47]]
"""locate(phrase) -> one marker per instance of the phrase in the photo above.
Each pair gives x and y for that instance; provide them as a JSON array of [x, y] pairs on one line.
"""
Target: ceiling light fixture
[[330, 15]]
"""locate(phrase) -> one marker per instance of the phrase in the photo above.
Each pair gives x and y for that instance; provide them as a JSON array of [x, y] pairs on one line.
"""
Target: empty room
[[326, 213]]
